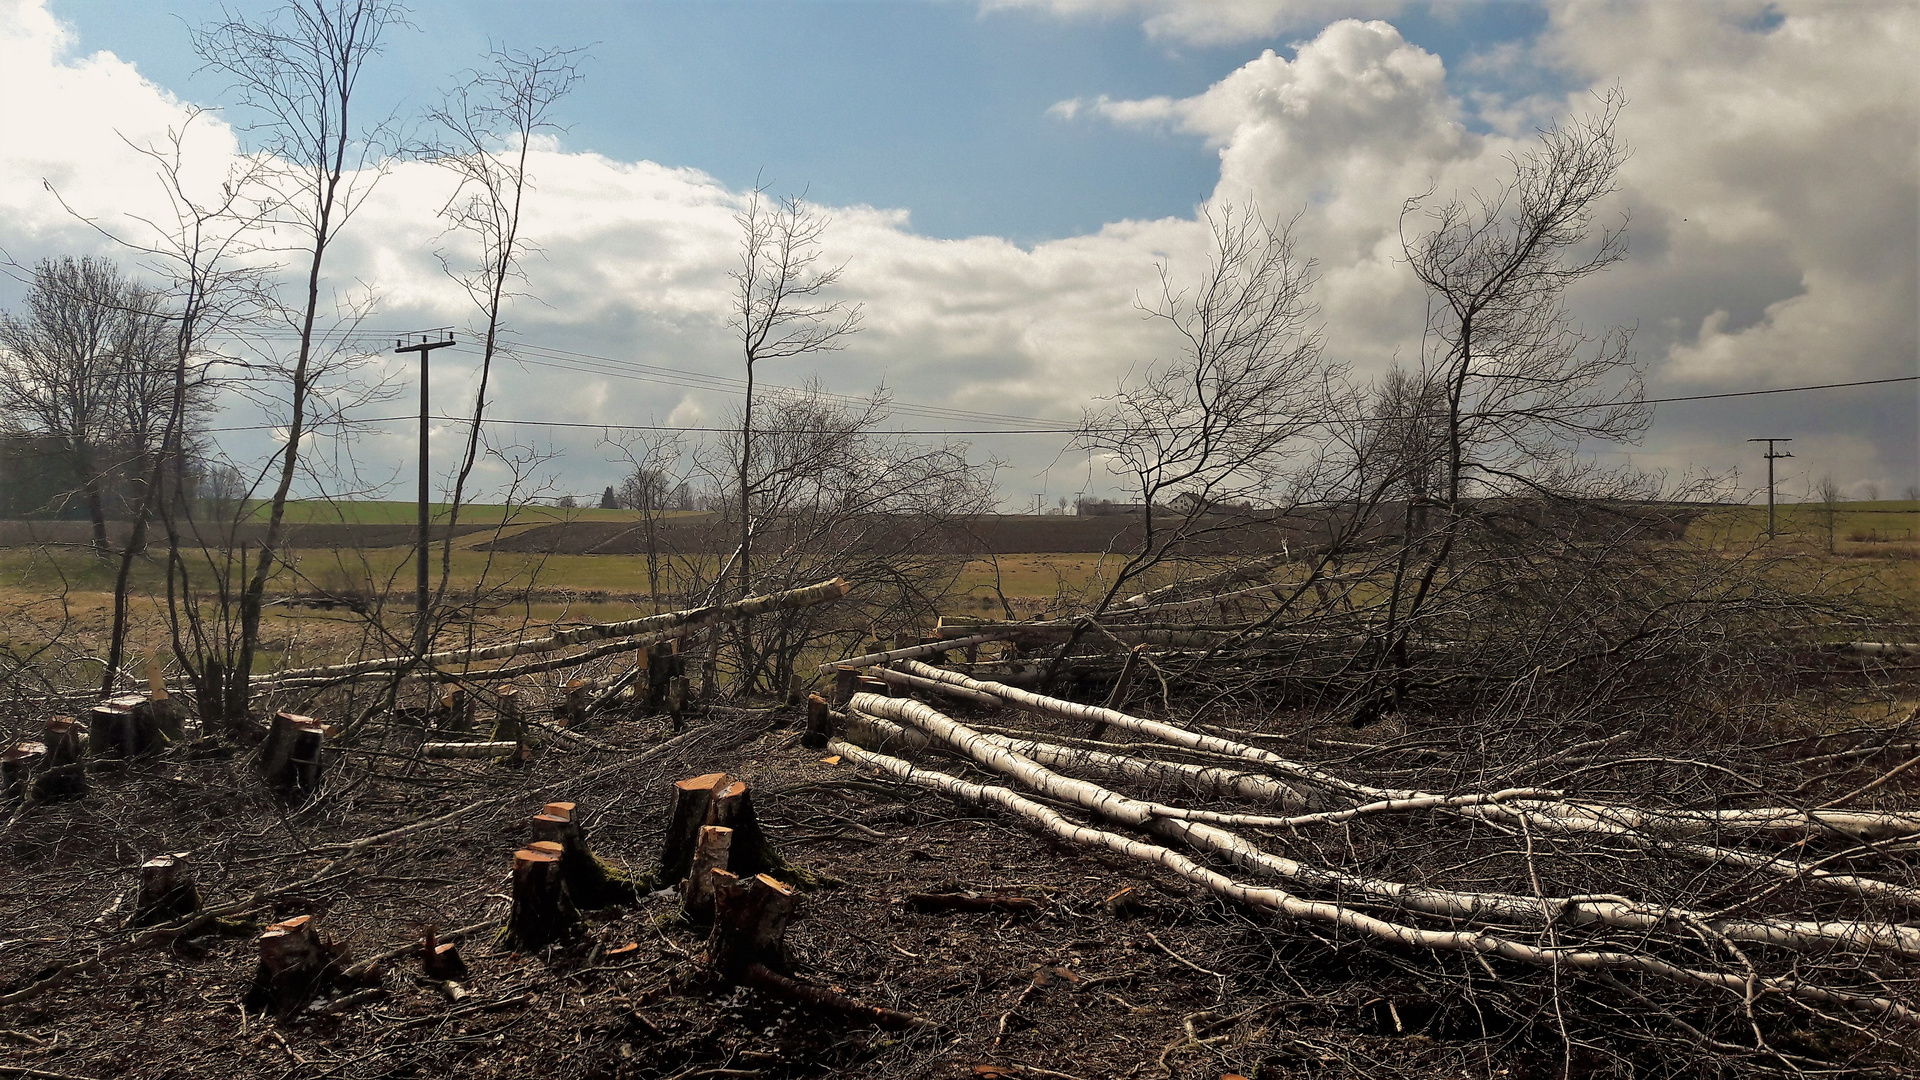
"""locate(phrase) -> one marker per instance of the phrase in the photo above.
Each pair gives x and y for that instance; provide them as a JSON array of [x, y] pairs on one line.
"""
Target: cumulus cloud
[[1772, 194], [1207, 22]]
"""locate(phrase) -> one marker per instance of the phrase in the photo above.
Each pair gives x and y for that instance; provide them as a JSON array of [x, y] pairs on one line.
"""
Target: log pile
[[1784, 905]]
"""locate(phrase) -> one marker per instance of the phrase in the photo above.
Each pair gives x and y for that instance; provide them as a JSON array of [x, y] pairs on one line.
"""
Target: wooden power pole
[[424, 344], [1771, 458]]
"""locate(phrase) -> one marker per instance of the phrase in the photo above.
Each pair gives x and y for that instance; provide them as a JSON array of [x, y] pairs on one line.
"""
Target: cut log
[[19, 764], [822, 999], [290, 759], [295, 964], [691, 797], [543, 913], [591, 883], [167, 893], [916, 682], [709, 854], [670, 624], [910, 651], [493, 750], [969, 900]]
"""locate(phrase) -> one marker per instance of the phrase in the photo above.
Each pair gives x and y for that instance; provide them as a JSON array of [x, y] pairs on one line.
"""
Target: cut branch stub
[[543, 913], [290, 757], [295, 964], [691, 798], [18, 765], [710, 854], [167, 892]]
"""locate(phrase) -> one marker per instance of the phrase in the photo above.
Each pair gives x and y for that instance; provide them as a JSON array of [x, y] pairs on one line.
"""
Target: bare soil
[[1186, 987]]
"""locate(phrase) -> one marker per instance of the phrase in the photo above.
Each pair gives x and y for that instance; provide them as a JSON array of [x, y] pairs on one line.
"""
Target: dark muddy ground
[[1187, 987]]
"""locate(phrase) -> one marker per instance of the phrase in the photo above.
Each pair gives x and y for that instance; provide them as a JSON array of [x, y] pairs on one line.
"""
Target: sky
[[1005, 178]]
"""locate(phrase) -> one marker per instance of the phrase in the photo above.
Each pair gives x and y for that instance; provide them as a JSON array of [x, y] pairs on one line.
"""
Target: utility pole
[[1771, 458], [423, 343]]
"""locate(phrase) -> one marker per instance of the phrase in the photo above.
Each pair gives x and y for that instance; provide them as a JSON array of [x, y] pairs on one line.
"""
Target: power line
[[588, 426]]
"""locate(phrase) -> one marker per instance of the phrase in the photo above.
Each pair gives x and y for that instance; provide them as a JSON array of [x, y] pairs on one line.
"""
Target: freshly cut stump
[[18, 765], [167, 892], [295, 965], [748, 947], [710, 854], [290, 757], [543, 913], [591, 882], [691, 797]]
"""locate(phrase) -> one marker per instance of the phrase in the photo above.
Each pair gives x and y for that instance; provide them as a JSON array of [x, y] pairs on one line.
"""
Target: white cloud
[[1772, 190], [1208, 22]]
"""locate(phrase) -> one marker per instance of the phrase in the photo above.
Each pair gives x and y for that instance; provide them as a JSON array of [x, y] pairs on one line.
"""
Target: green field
[[393, 512]]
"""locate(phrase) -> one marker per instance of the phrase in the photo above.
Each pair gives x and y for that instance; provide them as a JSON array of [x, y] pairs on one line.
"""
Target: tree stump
[[679, 696], [691, 797], [18, 765], [579, 695], [160, 718], [748, 946], [750, 916], [750, 852], [456, 710], [709, 854], [110, 728], [167, 893], [543, 913], [290, 757], [819, 723], [295, 964], [591, 883], [843, 680], [507, 726], [63, 773], [664, 664], [441, 960]]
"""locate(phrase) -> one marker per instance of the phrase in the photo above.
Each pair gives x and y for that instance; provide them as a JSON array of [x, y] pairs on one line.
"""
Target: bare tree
[[489, 126], [1827, 498], [835, 495], [1523, 386], [783, 307], [1227, 421], [648, 488], [296, 77], [87, 367]]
